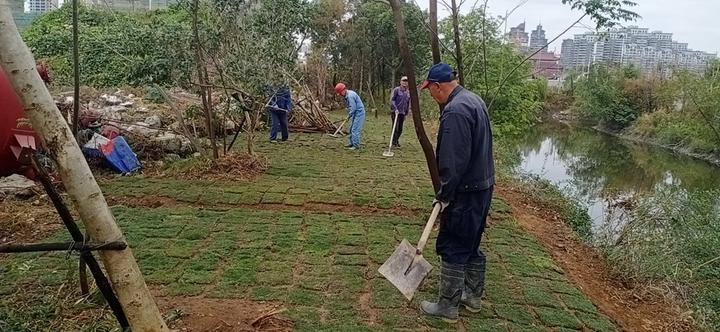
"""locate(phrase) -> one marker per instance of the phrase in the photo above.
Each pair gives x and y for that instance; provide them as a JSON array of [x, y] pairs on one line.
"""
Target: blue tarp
[[120, 156]]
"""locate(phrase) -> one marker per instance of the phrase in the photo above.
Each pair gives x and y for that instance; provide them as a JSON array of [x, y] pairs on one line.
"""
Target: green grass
[[321, 265]]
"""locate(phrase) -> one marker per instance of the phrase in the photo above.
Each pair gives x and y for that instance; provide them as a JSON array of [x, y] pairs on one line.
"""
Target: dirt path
[[632, 308]]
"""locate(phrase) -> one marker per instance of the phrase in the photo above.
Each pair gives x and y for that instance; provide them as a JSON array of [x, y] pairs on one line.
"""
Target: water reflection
[[606, 173]]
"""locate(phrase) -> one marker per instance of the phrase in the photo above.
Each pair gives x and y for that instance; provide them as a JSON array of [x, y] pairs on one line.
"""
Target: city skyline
[[649, 50], [696, 24]]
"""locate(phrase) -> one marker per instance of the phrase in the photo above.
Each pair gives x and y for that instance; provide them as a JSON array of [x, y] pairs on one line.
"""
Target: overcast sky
[[695, 22]]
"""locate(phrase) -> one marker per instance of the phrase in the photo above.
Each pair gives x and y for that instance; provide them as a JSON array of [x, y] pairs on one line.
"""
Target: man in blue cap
[[467, 175]]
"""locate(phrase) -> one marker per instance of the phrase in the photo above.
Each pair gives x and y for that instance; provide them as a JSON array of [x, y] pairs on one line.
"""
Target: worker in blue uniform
[[467, 176], [279, 108], [356, 113]]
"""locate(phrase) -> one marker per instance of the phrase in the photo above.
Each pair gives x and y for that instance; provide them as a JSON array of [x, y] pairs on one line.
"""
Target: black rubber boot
[[474, 284], [452, 279]]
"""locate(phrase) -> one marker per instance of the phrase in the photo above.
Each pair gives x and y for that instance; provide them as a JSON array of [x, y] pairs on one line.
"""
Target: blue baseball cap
[[439, 73]]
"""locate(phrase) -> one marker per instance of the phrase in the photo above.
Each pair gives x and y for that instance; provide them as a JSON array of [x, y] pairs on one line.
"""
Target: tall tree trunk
[[458, 47], [76, 67], [362, 73], [434, 39], [414, 101], [127, 281], [203, 80]]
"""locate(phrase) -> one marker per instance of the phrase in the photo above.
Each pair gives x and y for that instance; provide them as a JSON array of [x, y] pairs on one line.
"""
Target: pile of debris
[[148, 129], [308, 115]]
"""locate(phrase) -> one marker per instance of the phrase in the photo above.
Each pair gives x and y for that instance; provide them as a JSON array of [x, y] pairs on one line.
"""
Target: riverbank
[[569, 118], [634, 306], [684, 150], [653, 212]]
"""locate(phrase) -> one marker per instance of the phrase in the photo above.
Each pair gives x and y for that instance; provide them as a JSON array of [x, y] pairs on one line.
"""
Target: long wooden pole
[[18, 63]]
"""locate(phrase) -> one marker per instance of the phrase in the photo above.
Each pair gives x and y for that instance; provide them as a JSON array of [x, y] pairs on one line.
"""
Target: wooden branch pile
[[308, 116]]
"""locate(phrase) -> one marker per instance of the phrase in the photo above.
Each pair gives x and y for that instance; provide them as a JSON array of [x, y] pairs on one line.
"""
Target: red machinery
[[13, 138]]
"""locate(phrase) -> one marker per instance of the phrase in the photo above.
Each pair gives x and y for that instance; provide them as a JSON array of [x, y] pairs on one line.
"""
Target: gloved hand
[[443, 205], [397, 112]]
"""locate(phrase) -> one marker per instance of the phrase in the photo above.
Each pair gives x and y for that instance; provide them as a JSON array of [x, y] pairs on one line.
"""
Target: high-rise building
[[518, 36], [545, 64], [21, 16], [650, 51], [131, 5], [39, 6], [537, 39]]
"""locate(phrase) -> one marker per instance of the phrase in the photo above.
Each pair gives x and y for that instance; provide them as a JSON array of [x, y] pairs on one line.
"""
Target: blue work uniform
[[356, 112], [281, 107], [467, 176]]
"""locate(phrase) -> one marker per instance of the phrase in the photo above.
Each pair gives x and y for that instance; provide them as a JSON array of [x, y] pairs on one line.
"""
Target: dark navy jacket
[[283, 99], [464, 146]]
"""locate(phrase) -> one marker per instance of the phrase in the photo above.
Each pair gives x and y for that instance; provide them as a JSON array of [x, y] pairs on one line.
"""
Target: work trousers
[[279, 124], [462, 225], [356, 126]]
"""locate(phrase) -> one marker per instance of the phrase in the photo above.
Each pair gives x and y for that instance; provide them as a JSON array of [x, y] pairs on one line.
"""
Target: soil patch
[[371, 315], [218, 315], [632, 307], [27, 220]]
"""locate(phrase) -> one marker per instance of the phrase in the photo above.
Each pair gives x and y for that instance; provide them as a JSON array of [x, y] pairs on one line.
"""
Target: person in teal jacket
[[356, 112]]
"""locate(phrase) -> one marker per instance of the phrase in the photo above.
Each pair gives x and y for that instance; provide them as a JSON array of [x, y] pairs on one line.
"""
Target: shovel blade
[[395, 269]]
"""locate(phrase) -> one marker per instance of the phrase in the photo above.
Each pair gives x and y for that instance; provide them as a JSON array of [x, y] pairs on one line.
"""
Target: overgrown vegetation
[[681, 110], [515, 108], [116, 48], [671, 241]]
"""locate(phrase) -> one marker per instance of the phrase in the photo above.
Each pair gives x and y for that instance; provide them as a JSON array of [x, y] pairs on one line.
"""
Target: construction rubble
[[174, 127]]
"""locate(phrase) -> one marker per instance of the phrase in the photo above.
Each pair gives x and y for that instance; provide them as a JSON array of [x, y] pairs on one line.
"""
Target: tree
[[414, 100], [241, 47], [205, 90], [434, 38], [360, 42], [488, 59], [458, 45], [128, 283]]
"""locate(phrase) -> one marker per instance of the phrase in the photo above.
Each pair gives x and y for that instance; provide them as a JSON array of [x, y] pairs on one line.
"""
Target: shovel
[[339, 128], [407, 268], [389, 153]]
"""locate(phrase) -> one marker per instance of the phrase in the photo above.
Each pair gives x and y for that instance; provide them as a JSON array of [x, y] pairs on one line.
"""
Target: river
[[607, 174]]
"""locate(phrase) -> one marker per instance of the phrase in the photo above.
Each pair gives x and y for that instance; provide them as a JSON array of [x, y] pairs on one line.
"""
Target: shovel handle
[[340, 128], [392, 134], [428, 228]]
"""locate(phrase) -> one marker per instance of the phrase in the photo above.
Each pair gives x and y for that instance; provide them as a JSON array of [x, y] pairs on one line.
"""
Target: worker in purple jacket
[[399, 107]]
